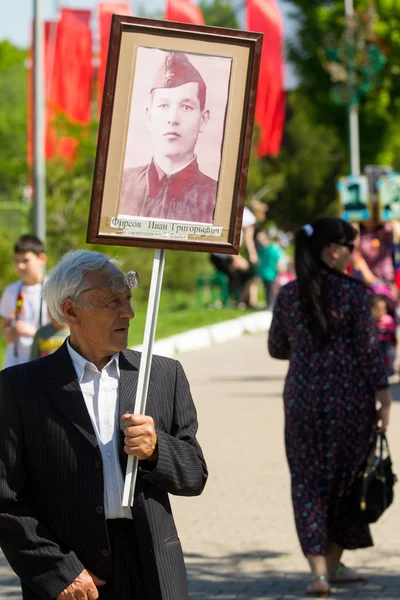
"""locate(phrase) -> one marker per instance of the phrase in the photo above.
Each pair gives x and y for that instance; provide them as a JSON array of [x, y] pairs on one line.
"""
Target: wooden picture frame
[[182, 185]]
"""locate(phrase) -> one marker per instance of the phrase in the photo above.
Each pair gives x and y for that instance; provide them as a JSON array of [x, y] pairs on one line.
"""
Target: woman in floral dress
[[322, 324]]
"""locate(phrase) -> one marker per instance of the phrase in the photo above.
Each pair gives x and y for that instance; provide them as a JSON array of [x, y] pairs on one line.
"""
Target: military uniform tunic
[[187, 195]]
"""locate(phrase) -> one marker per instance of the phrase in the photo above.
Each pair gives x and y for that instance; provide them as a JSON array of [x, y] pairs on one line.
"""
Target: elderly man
[[172, 186], [67, 428]]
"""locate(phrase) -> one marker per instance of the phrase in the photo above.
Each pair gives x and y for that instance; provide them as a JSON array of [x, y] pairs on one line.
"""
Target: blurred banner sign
[[354, 197], [389, 196], [374, 172]]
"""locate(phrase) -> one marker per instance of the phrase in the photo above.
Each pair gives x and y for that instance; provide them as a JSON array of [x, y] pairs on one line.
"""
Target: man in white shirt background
[[22, 306], [69, 427]]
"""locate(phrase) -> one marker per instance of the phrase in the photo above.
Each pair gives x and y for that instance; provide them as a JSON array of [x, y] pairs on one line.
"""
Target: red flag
[[50, 35], [265, 16], [71, 81], [106, 10], [73, 69], [183, 11], [278, 125]]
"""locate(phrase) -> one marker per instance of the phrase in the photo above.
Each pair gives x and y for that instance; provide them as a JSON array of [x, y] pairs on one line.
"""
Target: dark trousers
[[269, 293], [236, 277], [127, 581]]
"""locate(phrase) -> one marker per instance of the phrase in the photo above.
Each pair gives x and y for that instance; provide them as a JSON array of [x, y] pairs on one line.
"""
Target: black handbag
[[372, 492]]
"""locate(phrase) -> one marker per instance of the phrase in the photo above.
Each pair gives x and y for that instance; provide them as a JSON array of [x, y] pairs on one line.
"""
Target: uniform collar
[[176, 182]]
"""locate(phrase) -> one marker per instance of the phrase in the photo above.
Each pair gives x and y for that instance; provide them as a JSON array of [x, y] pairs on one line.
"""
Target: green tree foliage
[[310, 163], [379, 110], [13, 115], [265, 179], [13, 135], [219, 13]]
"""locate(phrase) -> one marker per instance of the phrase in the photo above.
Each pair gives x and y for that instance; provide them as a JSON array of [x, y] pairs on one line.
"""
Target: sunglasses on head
[[349, 245], [118, 283]]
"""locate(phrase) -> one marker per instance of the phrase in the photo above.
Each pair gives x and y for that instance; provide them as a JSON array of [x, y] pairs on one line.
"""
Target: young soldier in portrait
[[172, 185]]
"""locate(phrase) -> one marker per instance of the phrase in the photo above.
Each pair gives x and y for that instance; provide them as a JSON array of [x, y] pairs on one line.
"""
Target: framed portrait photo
[[354, 198], [175, 136], [389, 197]]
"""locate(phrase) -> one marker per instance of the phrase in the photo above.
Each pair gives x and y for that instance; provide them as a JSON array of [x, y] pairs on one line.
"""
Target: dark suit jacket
[[52, 522]]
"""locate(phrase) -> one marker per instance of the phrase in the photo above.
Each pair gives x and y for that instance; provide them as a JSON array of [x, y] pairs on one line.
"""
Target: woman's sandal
[[319, 587], [345, 574]]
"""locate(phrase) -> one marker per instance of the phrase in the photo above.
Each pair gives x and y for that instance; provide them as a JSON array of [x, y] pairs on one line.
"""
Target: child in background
[[22, 306], [285, 274], [269, 255], [48, 339], [386, 330]]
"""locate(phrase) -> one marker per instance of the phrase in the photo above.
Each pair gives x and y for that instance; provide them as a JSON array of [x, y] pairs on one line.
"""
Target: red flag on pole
[[106, 10], [265, 16], [183, 11], [73, 69], [71, 82], [50, 36]]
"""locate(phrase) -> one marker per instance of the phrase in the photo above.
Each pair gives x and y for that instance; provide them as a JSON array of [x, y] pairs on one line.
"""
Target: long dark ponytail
[[310, 241]]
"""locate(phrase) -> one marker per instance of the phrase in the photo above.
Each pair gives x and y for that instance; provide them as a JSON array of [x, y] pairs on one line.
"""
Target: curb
[[196, 339]]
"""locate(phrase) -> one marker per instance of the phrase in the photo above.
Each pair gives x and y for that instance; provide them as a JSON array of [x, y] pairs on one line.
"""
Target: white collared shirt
[[100, 392]]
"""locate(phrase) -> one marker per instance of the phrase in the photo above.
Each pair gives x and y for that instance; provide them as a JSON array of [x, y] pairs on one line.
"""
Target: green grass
[[177, 314]]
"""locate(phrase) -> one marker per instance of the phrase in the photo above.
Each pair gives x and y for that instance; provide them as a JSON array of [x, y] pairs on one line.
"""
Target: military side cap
[[177, 70]]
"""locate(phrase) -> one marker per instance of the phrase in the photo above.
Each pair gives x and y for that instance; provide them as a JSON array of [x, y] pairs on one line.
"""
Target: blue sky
[[16, 15]]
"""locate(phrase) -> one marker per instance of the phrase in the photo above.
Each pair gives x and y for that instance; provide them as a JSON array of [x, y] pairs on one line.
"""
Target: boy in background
[[22, 306]]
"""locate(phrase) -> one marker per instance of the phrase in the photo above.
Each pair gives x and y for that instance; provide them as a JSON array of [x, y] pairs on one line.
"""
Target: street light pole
[[39, 165], [354, 129]]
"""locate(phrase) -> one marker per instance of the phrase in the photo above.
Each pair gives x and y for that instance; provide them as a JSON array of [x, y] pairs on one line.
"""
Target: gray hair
[[65, 280]]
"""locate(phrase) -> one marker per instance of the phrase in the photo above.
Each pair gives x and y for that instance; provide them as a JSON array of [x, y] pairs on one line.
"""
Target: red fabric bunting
[[72, 78], [50, 36], [106, 10], [183, 11], [73, 69], [265, 16]]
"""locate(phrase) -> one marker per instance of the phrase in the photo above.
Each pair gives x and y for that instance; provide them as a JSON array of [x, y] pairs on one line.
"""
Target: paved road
[[239, 537]]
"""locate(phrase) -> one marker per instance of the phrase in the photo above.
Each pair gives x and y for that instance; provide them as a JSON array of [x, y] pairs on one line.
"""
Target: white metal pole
[[354, 128], [354, 134], [145, 365], [39, 165], [349, 8]]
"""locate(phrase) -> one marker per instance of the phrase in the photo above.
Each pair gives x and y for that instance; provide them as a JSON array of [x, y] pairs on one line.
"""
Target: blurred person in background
[[22, 306], [48, 339], [239, 274], [269, 255], [285, 274], [376, 248], [386, 330], [322, 324], [259, 210], [359, 269], [249, 295], [240, 270]]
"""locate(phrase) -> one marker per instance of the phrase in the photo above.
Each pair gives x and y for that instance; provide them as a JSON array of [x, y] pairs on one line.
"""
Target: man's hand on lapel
[[140, 437], [84, 587]]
